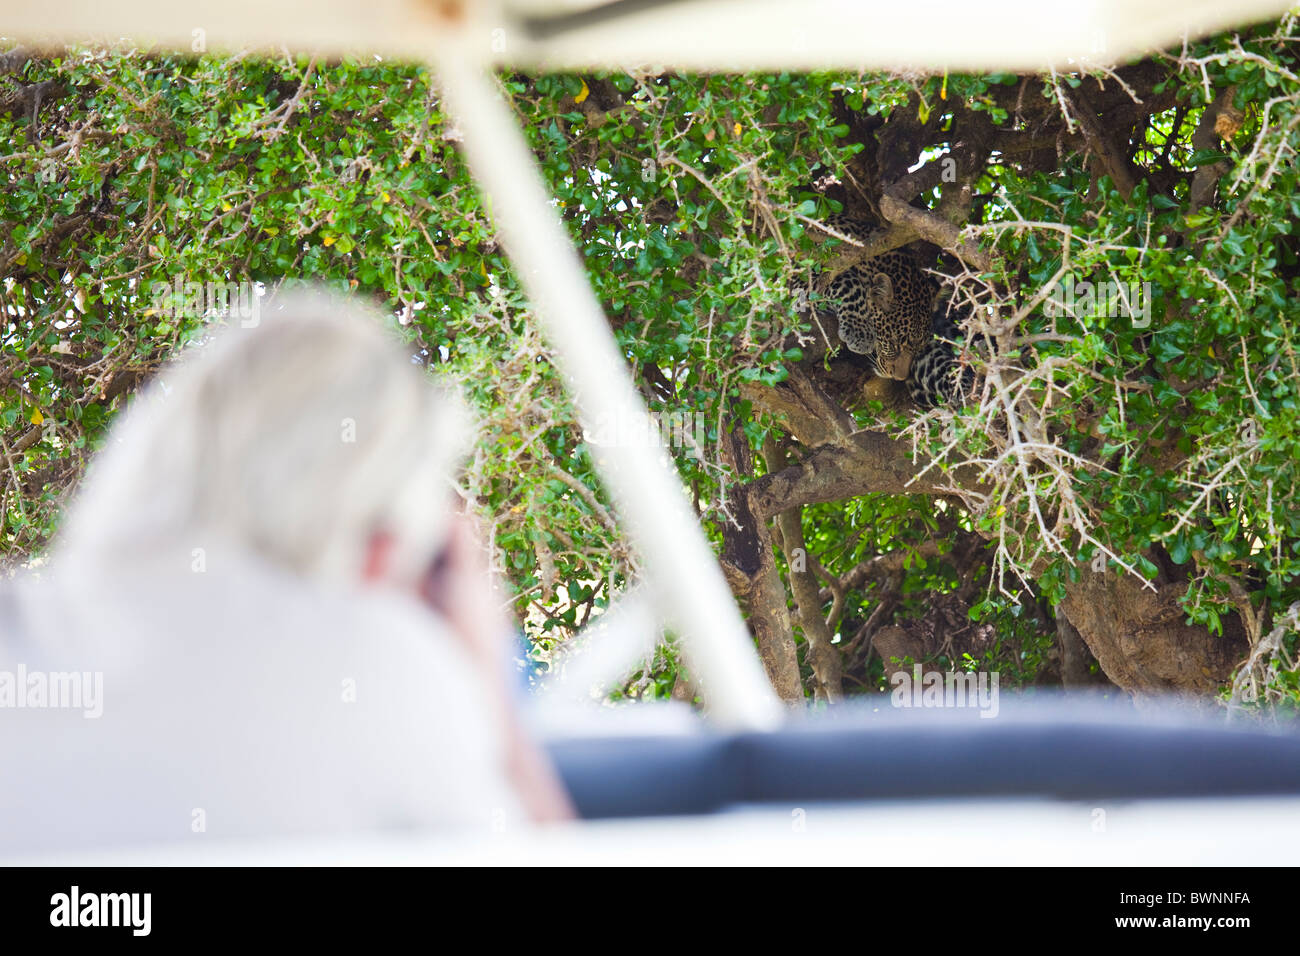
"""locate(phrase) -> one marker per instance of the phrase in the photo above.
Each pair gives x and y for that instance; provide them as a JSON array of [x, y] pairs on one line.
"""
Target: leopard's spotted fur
[[938, 377], [889, 310], [882, 306]]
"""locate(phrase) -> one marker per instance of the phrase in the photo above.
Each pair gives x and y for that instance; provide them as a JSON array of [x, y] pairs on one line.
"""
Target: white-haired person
[[264, 614]]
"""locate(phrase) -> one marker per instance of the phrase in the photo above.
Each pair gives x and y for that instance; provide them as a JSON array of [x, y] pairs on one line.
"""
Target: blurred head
[[310, 440]]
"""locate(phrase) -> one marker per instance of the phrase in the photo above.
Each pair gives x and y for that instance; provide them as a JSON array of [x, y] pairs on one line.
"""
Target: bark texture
[[750, 568]]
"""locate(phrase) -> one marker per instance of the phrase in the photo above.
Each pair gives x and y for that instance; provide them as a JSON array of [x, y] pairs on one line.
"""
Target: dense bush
[[1134, 456]]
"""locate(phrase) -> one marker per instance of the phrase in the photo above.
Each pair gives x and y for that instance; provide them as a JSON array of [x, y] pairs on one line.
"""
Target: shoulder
[[274, 705]]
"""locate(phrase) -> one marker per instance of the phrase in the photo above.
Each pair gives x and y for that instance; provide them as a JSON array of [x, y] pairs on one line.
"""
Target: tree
[[1119, 244]]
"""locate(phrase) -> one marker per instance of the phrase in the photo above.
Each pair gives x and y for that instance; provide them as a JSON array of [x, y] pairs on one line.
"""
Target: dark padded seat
[[1048, 748]]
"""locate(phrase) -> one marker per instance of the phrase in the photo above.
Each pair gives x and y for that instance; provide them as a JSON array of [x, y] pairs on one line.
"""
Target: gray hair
[[297, 440]]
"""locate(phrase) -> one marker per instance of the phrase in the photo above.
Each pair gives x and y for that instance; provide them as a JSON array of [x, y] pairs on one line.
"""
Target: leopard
[[881, 307], [890, 311], [939, 376]]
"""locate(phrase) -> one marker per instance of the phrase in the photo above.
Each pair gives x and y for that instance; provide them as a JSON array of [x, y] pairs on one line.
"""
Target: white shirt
[[234, 701]]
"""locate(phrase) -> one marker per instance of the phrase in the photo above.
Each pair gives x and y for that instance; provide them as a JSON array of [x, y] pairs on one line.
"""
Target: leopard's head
[[883, 308]]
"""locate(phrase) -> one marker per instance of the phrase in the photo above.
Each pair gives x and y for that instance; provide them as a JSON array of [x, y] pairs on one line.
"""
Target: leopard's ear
[[880, 291]]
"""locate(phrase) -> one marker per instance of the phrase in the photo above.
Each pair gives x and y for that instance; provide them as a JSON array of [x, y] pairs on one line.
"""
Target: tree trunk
[[750, 567], [823, 657], [1140, 638]]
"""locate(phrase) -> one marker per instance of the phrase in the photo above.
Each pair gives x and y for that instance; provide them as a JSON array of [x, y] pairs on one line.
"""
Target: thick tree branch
[[933, 229], [750, 569], [823, 657], [1103, 143]]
